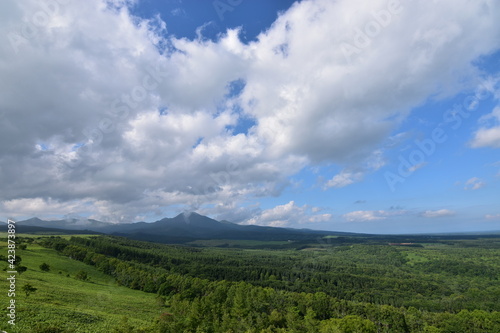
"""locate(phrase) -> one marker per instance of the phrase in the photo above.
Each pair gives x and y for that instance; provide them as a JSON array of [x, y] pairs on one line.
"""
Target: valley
[[357, 283]]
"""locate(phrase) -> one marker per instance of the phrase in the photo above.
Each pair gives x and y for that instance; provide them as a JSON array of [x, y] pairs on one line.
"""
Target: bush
[[28, 289], [21, 269], [82, 275]]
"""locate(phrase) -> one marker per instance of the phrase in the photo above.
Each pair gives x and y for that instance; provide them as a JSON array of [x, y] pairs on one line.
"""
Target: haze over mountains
[[182, 227]]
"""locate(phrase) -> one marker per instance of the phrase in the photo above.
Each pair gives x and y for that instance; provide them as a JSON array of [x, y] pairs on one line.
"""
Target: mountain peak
[[188, 214], [188, 217], [33, 219]]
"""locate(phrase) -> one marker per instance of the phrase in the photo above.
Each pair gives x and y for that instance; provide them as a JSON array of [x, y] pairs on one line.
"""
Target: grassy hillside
[[63, 303]]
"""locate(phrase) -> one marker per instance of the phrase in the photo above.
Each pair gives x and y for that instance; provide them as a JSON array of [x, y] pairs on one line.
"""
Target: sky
[[347, 115]]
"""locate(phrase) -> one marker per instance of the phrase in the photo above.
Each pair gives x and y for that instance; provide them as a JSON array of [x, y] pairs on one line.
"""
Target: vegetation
[[62, 303], [336, 284], [82, 275], [28, 289]]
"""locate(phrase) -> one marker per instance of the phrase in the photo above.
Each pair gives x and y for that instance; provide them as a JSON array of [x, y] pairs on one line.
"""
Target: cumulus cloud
[[437, 213], [487, 137], [105, 112], [371, 215], [288, 215]]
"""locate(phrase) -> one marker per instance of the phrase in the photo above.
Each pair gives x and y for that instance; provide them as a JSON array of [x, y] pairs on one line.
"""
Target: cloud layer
[[104, 112]]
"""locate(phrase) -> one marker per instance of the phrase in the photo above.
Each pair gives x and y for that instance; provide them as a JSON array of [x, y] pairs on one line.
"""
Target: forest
[[335, 284]]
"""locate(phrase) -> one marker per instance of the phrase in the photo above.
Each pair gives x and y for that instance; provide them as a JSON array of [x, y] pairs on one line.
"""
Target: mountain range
[[181, 228]]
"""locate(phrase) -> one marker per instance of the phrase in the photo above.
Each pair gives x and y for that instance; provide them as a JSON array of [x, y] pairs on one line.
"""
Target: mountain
[[183, 227], [26, 229], [68, 224]]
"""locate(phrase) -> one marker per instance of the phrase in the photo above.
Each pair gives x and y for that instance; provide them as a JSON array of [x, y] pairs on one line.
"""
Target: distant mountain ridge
[[184, 226], [68, 224]]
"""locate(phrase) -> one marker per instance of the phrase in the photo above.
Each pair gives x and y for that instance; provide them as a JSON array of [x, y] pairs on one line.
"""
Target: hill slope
[[63, 303]]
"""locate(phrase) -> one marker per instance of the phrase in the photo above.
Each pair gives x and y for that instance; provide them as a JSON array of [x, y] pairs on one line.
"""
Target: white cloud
[[492, 216], [474, 184], [397, 139], [487, 137], [316, 209], [95, 77], [288, 215], [489, 134], [39, 206], [320, 218], [328, 103], [344, 178], [437, 213], [353, 175], [371, 215], [376, 160]]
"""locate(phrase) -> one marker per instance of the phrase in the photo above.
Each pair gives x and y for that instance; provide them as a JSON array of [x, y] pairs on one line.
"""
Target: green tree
[[348, 324], [82, 275], [310, 321], [276, 318], [21, 269], [45, 267], [28, 289]]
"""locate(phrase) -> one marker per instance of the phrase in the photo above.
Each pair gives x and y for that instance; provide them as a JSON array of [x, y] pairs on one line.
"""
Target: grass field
[[62, 301]]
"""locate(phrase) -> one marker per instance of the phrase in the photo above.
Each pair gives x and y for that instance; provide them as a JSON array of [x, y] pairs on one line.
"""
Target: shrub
[[82, 275]]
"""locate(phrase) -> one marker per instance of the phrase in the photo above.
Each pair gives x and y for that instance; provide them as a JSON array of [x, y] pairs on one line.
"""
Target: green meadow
[[62, 303]]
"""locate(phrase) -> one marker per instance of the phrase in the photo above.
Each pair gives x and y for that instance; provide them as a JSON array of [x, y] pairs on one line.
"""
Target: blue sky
[[380, 117], [183, 18]]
